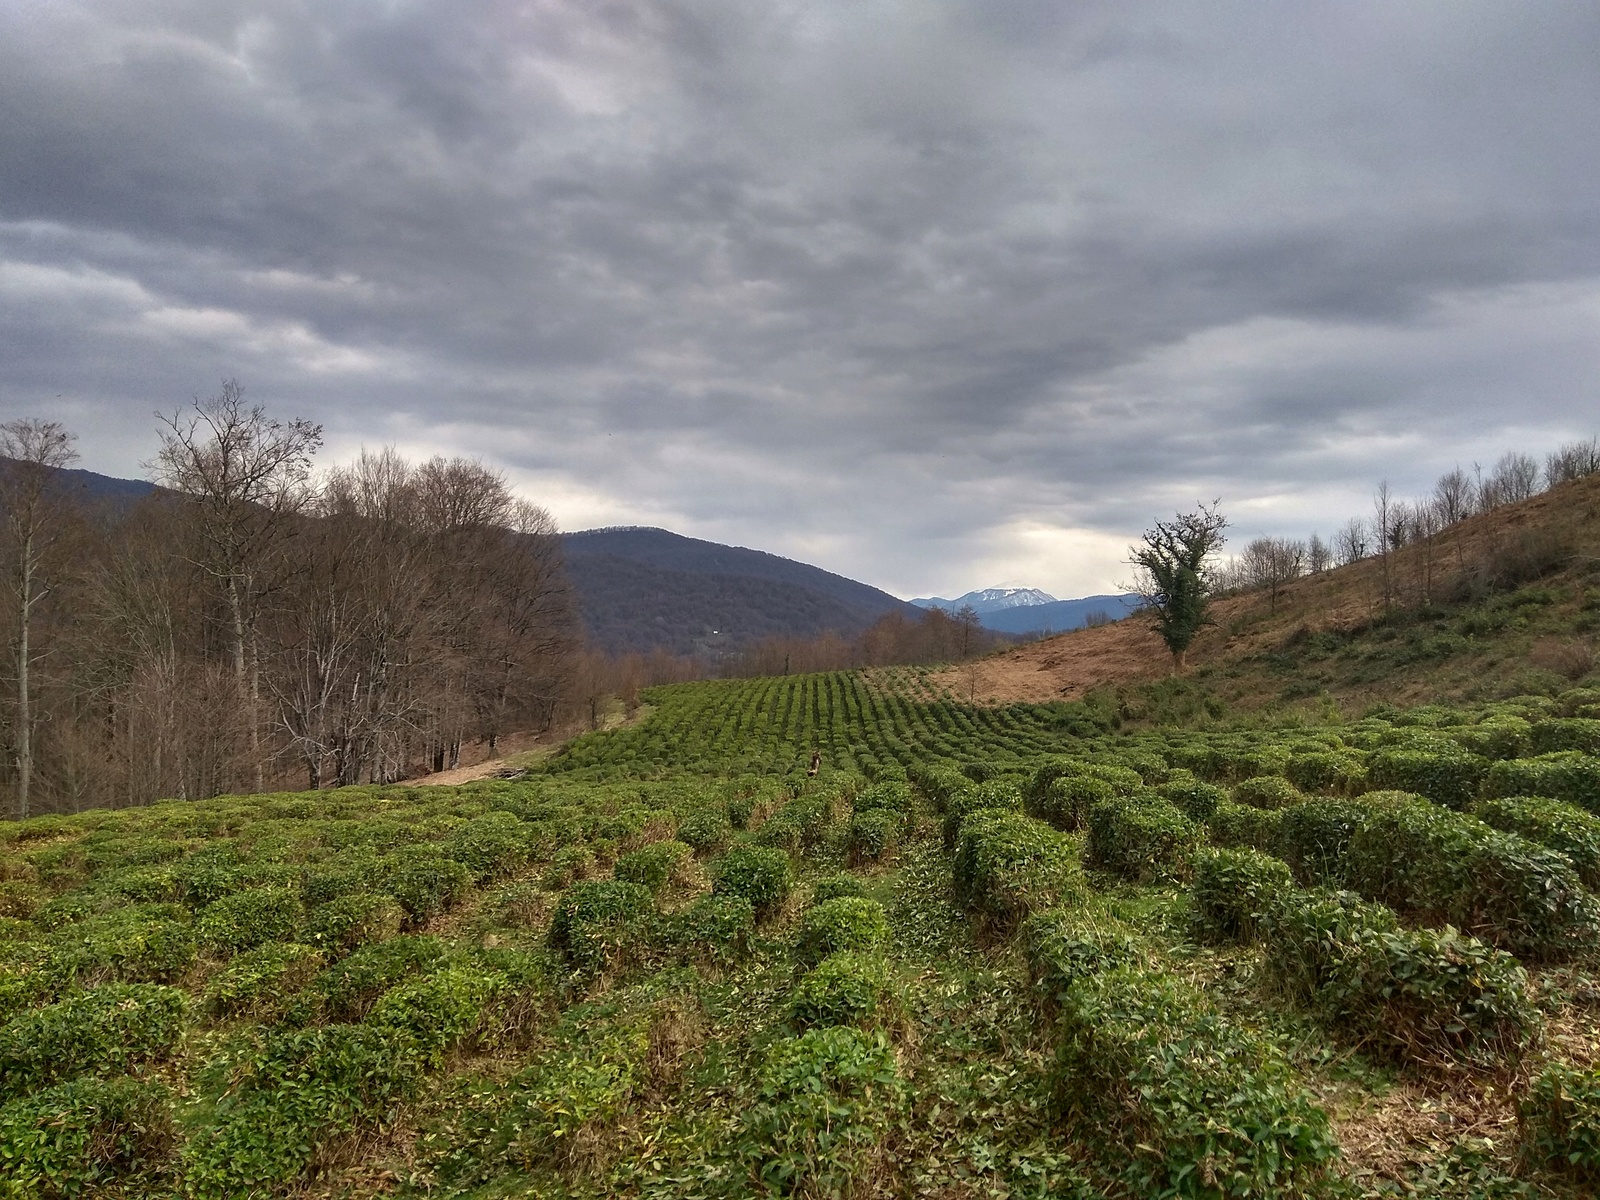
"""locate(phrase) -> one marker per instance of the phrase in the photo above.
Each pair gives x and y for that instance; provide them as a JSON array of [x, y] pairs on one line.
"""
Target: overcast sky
[[937, 295]]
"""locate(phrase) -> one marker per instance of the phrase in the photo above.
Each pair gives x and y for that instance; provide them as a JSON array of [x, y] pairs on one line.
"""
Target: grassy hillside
[[1502, 603], [1008, 952]]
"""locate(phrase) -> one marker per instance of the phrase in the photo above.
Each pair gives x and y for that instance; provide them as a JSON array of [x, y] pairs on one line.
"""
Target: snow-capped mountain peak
[[990, 600]]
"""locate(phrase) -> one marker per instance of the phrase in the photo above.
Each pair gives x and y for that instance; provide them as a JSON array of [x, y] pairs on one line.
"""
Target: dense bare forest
[[250, 625]]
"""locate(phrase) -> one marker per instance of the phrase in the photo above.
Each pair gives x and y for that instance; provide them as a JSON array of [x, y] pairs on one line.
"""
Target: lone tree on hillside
[[1171, 575]]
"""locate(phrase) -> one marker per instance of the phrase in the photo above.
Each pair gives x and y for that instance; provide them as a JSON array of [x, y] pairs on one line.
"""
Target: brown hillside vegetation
[[1496, 601]]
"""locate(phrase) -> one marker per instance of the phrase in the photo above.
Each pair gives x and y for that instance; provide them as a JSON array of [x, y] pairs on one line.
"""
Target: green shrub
[[1450, 779], [1560, 1119], [1499, 737], [817, 1124], [1444, 866], [740, 810], [1568, 776], [490, 846], [845, 988], [715, 929], [349, 988], [140, 944], [873, 834], [1239, 826], [1195, 799], [295, 1091], [258, 981], [438, 1011], [1233, 890], [568, 865], [85, 1137], [1416, 995], [706, 829], [1314, 837], [846, 923], [600, 923], [1007, 865], [104, 1029], [1181, 1101], [1143, 838], [353, 920], [1065, 801], [424, 883], [893, 795], [831, 887], [1060, 949], [1567, 733], [1551, 823], [1000, 794], [1266, 791], [762, 876], [1327, 771], [939, 784], [244, 920], [654, 865]]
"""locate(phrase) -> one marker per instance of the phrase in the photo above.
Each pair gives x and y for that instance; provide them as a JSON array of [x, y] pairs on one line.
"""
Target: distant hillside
[[1058, 616], [101, 487], [642, 589]]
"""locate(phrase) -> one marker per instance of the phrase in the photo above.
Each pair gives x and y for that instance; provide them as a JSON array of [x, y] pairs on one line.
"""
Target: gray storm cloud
[[934, 294]]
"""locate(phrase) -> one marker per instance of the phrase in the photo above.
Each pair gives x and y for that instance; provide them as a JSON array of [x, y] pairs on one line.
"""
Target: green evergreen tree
[[1172, 576]]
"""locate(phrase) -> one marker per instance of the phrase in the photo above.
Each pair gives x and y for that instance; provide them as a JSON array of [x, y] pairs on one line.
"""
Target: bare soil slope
[[1262, 647]]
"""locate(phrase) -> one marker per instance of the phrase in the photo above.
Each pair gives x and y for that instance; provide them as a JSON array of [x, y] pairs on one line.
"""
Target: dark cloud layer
[[936, 294]]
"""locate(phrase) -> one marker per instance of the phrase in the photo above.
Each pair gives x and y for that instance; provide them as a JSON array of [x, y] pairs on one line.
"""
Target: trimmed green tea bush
[[1060, 950], [892, 794], [1567, 733], [244, 920], [1498, 737], [1239, 826], [1143, 839], [1445, 866], [873, 834], [438, 1011], [141, 944], [831, 887], [258, 981], [79, 1137], [714, 929], [349, 988], [1192, 797], [1327, 771], [1065, 802], [1551, 823], [706, 829], [1314, 837], [999, 794], [1267, 791], [761, 875], [1183, 1102], [1233, 890], [423, 883], [846, 988], [353, 920], [490, 846], [1417, 995], [1568, 776], [1561, 1121], [1452, 780], [846, 923], [1007, 865], [105, 1029], [653, 866], [817, 1124], [598, 923]]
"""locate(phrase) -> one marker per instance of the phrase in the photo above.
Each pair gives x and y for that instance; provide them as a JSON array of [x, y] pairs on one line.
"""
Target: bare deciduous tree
[[31, 493]]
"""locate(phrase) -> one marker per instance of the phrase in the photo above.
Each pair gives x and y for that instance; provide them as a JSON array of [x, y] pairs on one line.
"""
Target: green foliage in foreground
[[984, 952]]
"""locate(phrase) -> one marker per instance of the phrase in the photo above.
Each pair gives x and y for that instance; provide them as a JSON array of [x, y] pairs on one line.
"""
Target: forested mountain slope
[[645, 589]]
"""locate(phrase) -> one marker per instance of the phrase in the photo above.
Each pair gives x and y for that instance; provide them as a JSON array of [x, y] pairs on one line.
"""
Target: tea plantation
[[1007, 952]]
